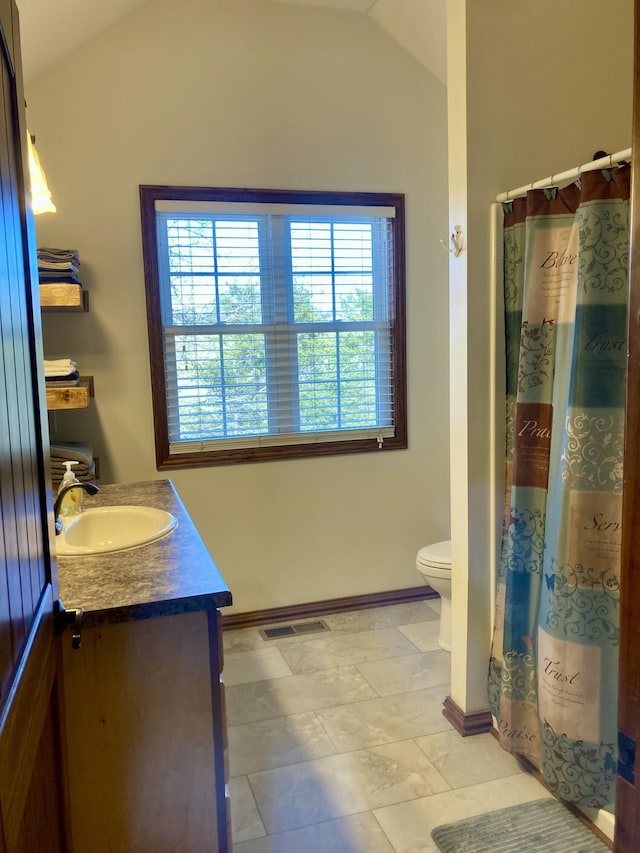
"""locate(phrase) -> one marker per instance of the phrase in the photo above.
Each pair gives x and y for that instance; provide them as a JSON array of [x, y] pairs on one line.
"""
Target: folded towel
[[59, 367], [45, 264], [84, 476], [58, 363], [57, 278], [68, 381], [46, 253], [47, 250], [84, 473], [70, 451]]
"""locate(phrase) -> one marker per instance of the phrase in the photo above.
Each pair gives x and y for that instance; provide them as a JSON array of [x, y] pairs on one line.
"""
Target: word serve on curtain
[[553, 672]]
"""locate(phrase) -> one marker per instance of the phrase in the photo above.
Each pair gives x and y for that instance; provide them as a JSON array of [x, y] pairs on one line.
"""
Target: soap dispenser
[[72, 502]]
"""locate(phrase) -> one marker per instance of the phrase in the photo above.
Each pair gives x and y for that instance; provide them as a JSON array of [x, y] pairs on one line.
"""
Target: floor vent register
[[294, 630]]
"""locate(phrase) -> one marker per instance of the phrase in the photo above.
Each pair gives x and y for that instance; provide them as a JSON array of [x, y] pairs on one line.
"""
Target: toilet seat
[[436, 556]]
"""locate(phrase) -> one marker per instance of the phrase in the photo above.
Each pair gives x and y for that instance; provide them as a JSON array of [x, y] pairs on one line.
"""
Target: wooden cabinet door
[[142, 715], [31, 809]]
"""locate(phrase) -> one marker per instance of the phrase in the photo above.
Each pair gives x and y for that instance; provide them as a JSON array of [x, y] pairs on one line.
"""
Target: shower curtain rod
[[570, 175]]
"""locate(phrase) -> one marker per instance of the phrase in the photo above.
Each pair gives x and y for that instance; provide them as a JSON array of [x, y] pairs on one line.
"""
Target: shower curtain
[[553, 671]]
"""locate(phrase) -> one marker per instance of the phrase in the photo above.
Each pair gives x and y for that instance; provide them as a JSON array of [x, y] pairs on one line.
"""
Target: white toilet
[[434, 564]]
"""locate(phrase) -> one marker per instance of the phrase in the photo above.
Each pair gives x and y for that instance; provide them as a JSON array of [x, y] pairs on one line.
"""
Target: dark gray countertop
[[171, 575]]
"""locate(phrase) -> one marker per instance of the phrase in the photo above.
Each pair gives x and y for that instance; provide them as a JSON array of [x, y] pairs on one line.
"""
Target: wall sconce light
[[40, 195]]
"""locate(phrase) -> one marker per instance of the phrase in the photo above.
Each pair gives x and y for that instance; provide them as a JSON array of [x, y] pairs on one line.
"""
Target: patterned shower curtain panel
[[553, 670]]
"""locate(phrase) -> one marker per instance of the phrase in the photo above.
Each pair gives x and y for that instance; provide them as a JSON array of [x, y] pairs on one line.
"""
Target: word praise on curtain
[[553, 672]]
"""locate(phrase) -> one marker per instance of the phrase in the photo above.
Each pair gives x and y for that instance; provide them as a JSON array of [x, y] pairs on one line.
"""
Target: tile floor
[[337, 743]]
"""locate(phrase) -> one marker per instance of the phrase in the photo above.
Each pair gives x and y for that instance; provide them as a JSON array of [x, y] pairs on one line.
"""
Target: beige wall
[[245, 93], [534, 88]]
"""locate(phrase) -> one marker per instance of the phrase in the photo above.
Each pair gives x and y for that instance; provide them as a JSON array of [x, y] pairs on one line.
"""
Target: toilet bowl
[[434, 564]]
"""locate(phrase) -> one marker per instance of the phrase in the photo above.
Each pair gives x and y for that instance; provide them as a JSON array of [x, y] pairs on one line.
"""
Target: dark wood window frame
[[172, 458]]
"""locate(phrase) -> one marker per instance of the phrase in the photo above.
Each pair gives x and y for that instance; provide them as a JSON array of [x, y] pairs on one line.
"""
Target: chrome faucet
[[89, 488]]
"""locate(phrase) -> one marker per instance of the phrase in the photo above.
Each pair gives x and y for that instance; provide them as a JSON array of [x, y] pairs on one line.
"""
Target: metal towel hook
[[457, 243]]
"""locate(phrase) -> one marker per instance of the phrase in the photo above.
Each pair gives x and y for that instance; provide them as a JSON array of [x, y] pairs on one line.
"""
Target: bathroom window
[[276, 323]]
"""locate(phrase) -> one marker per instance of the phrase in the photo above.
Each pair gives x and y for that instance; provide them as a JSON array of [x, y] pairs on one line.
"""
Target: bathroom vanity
[[144, 700]]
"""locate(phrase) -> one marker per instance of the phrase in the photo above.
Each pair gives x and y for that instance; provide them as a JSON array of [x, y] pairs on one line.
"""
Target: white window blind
[[277, 323]]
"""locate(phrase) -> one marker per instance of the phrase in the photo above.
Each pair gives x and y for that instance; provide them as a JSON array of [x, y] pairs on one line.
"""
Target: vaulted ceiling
[[51, 28]]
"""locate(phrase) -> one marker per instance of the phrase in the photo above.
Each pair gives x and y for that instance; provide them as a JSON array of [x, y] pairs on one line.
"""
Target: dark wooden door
[[627, 836], [31, 805]]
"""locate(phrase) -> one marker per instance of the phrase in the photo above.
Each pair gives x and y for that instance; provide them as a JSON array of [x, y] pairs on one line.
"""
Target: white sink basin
[[112, 528]]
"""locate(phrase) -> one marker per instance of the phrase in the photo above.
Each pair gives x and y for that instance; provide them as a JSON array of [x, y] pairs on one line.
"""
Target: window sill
[[167, 462]]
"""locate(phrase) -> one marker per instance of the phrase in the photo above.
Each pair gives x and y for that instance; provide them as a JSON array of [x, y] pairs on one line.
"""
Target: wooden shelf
[[63, 297], [74, 397]]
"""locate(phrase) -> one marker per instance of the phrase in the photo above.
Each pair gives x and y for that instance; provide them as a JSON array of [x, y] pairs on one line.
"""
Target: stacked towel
[[58, 265], [61, 372], [72, 451]]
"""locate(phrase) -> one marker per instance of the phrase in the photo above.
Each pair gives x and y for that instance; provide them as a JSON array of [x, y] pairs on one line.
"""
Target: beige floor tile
[[255, 665], [380, 617], [241, 640], [371, 689], [408, 825], [436, 604], [245, 817], [423, 635], [468, 761], [293, 694], [412, 672], [359, 833], [387, 719], [328, 788], [275, 743], [333, 650]]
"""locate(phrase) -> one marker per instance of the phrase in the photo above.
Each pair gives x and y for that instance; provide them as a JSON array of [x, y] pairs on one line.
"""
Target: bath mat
[[543, 826]]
